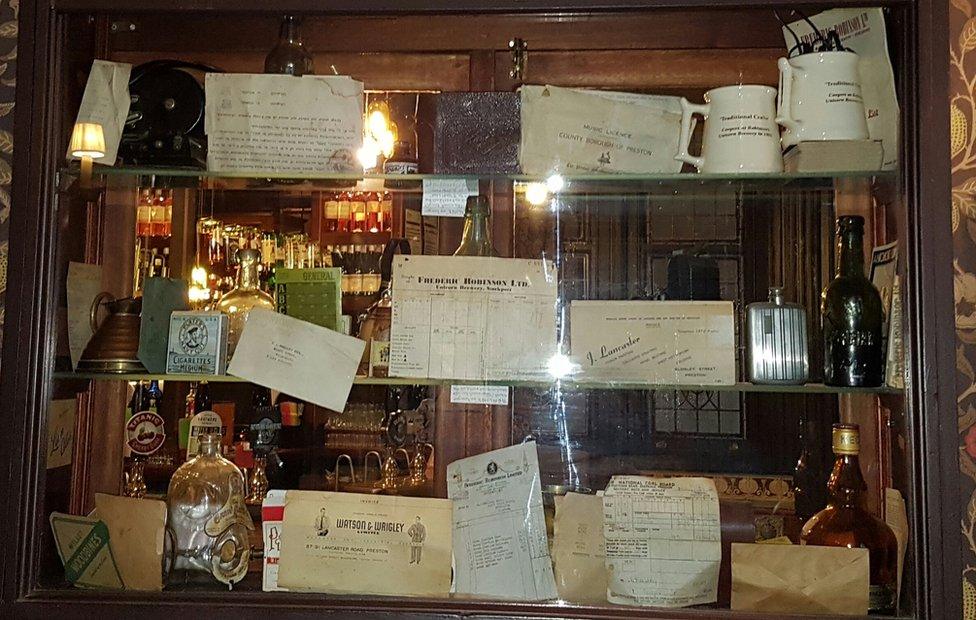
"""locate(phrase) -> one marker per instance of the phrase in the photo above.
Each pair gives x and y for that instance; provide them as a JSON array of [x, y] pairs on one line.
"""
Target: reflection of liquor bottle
[[247, 294], [845, 522], [852, 315], [292, 442], [476, 236], [138, 402], [808, 484], [155, 395], [289, 56], [189, 409]]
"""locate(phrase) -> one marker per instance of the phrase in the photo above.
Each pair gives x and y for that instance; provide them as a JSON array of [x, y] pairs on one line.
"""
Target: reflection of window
[[692, 412], [707, 225]]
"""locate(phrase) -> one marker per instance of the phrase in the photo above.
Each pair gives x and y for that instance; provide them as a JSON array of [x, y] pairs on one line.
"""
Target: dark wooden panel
[[380, 71], [548, 31], [646, 69]]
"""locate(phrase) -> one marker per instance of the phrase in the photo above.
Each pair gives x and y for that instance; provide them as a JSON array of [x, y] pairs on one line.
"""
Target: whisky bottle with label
[[852, 315], [846, 523]]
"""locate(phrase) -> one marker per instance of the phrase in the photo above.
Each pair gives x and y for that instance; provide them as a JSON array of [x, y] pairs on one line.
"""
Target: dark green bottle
[[852, 315]]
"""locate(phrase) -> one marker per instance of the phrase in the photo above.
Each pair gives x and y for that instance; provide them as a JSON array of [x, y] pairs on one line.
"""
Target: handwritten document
[[500, 544], [663, 538], [466, 317], [283, 124], [365, 544], [83, 285], [658, 342], [106, 102], [310, 362], [447, 197]]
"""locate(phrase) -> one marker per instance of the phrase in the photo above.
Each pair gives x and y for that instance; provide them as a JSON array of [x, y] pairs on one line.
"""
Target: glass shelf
[[809, 388], [574, 184]]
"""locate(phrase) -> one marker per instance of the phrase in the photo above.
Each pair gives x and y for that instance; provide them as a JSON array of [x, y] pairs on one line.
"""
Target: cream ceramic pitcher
[[820, 98], [740, 133]]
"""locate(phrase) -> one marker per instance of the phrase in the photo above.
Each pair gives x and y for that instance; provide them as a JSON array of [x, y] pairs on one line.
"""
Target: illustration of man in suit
[[322, 523], [418, 534]]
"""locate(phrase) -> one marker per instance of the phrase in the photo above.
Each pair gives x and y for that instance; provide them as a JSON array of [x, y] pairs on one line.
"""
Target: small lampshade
[[88, 140]]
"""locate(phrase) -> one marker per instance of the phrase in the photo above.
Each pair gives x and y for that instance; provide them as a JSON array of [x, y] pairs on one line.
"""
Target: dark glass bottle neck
[[289, 31], [846, 482], [850, 251]]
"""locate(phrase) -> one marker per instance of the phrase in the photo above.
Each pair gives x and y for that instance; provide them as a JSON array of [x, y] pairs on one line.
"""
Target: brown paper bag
[[579, 552], [799, 579], [136, 532]]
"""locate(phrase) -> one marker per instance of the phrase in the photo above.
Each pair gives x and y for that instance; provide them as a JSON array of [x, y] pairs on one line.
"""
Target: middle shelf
[[808, 388]]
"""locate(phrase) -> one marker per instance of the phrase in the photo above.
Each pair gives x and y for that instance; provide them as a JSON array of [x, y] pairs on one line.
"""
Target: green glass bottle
[[852, 315], [476, 235]]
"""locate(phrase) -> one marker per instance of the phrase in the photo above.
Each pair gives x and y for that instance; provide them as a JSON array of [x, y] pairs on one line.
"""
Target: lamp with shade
[[87, 144]]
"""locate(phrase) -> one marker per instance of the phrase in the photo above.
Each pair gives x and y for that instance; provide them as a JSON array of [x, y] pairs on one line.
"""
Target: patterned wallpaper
[[962, 69], [9, 11]]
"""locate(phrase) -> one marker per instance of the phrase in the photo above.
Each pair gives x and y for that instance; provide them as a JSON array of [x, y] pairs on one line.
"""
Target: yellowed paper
[[83, 285], [663, 538], [574, 131], [136, 531], [60, 432], [500, 544], [896, 516], [466, 317], [255, 122], [658, 342], [799, 579], [579, 552], [106, 102], [310, 362], [365, 544]]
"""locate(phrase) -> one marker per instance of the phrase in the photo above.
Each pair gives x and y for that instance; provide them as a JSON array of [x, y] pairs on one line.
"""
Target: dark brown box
[[477, 133]]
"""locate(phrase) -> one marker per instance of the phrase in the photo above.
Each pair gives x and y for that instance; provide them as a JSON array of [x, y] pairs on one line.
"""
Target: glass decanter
[[290, 56], [208, 519], [246, 294]]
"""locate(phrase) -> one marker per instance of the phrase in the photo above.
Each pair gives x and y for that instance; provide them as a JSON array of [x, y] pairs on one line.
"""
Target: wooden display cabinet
[[611, 241]]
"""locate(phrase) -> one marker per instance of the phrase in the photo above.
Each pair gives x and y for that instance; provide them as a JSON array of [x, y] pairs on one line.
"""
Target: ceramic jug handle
[[93, 313], [784, 107], [688, 110]]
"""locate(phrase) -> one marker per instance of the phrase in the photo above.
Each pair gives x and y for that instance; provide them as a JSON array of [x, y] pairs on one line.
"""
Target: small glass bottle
[[207, 516], [476, 236], [358, 209], [373, 217], [289, 56], [344, 220], [846, 523], [331, 215], [386, 212], [247, 294], [777, 336]]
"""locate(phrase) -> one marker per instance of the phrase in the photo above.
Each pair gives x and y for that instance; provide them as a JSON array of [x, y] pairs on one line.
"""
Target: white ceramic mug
[[820, 98], [740, 132]]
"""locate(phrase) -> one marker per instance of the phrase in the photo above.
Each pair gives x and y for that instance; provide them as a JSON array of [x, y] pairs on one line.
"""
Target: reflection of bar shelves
[[353, 238], [575, 184], [809, 388]]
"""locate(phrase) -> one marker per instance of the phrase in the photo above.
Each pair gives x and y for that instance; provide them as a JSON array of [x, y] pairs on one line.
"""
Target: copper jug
[[115, 345], [375, 323]]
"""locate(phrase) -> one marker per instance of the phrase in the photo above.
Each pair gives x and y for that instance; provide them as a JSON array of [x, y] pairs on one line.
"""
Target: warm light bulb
[[536, 194], [386, 143], [198, 276], [377, 123], [368, 155]]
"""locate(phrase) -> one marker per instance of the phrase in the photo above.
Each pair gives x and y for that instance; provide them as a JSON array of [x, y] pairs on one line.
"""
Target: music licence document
[[500, 543], [663, 538], [467, 317]]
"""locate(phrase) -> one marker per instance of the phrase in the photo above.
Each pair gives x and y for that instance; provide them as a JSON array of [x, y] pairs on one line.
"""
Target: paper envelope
[[791, 578]]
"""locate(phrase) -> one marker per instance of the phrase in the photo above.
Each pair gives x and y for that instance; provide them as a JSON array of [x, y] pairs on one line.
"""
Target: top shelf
[[573, 184]]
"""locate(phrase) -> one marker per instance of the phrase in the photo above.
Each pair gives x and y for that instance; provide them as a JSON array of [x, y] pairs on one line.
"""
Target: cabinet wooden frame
[[26, 382]]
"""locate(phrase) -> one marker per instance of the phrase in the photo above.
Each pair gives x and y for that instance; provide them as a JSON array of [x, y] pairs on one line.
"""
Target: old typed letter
[[663, 539], [465, 317], [283, 124], [500, 544]]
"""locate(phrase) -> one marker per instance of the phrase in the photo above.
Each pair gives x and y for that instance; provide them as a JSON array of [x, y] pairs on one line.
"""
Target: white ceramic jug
[[820, 98], [740, 132]]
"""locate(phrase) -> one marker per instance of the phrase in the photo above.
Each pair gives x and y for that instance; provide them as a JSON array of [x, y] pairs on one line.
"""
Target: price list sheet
[[466, 317], [663, 538]]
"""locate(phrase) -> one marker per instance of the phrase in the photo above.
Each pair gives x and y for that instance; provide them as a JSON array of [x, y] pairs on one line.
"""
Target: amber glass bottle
[[846, 523]]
